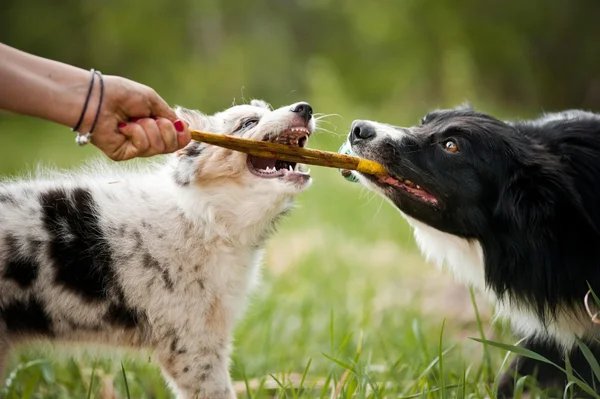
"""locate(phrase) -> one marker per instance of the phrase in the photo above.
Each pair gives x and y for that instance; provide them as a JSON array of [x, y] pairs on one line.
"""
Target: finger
[[183, 133], [137, 143], [160, 108], [169, 134], [157, 144]]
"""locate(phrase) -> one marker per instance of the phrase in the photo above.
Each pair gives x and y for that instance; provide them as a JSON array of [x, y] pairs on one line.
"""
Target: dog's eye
[[249, 123], [450, 146]]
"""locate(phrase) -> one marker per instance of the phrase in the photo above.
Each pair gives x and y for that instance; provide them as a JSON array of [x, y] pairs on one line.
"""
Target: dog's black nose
[[361, 130], [304, 110]]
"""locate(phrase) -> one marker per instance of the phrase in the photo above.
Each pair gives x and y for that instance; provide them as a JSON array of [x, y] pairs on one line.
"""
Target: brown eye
[[450, 146]]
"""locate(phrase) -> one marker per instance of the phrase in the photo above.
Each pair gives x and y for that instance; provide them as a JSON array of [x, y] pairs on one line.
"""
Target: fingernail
[[122, 124], [153, 117], [179, 126]]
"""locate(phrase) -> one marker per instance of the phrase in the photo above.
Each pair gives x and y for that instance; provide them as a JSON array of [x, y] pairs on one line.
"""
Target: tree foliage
[[405, 55]]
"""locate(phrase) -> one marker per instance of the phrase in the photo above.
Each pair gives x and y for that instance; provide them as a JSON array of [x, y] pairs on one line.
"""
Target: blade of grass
[[283, 388], [125, 381], [246, 382], [89, 394], [432, 364], [517, 349], [520, 387], [569, 370], [441, 361], [487, 359], [530, 354], [589, 356], [304, 374], [338, 362], [426, 393]]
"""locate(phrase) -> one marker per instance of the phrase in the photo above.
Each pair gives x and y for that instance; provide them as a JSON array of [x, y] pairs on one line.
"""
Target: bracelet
[[85, 138], [85, 104]]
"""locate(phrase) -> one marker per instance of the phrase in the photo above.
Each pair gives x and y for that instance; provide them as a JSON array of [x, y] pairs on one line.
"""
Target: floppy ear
[[260, 104], [196, 119]]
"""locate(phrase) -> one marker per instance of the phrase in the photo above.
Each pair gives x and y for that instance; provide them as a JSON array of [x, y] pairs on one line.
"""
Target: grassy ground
[[347, 307]]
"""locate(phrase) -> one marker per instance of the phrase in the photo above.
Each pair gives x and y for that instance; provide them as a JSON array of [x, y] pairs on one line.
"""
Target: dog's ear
[[260, 104], [196, 119]]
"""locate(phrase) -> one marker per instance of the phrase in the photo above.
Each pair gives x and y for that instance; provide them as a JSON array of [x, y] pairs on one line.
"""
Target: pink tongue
[[261, 163], [421, 193]]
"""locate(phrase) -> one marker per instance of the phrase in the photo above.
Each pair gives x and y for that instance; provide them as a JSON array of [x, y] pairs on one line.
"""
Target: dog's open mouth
[[271, 168], [413, 189]]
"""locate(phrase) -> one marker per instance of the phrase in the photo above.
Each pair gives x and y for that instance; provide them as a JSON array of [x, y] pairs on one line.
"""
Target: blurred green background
[[342, 278]]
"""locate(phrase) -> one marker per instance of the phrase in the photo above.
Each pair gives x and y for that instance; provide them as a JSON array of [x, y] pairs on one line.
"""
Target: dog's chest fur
[[465, 260]]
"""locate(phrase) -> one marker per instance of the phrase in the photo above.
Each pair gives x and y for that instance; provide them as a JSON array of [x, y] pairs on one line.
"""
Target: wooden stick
[[267, 149]]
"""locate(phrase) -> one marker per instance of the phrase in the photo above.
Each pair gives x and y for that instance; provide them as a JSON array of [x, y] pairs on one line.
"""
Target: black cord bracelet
[[83, 139], [85, 105], [99, 102]]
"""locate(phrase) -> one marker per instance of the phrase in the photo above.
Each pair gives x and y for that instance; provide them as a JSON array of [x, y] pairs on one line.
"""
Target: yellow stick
[[267, 149]]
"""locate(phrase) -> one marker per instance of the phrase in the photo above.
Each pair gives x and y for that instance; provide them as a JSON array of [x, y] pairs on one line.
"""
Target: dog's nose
[[304, 110], [361, 130]]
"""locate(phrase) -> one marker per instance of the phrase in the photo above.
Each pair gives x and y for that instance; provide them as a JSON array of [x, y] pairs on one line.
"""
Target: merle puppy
[[512, 208], [159, 258]]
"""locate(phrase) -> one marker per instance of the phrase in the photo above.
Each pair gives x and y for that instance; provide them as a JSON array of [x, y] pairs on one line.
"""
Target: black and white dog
[[158, 259], [510, 207]]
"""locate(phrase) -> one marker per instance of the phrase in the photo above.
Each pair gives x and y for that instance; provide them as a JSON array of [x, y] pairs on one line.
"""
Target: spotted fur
[[159, 257]]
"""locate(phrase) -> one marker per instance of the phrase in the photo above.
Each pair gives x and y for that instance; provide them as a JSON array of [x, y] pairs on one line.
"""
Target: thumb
[[160, 108]]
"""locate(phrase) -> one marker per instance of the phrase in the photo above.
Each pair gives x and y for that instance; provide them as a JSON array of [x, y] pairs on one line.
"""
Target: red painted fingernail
[[178, 126], [122, 124], [153, 117]]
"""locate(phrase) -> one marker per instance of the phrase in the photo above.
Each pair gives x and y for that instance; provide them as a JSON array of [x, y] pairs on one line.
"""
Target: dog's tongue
[[347, 150]]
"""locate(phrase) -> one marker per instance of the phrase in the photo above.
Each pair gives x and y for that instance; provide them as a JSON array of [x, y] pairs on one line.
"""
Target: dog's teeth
[[419, 187], [291, 169], [409, 183], [308, 172]]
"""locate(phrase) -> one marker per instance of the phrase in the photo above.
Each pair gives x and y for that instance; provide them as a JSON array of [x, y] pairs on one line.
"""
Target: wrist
[[72, 96]]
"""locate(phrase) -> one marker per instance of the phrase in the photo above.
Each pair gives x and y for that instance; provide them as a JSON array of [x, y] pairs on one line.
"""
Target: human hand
[[134, 121]]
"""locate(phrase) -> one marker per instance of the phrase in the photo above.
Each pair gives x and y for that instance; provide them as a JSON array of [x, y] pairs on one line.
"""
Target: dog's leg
[[196, 355], [547, 376], [196, 371]]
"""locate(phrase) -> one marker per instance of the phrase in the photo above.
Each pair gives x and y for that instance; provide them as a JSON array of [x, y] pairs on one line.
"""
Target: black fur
[[26, 317], [528, 192], [19, 267], [78, 248], [119, 314]]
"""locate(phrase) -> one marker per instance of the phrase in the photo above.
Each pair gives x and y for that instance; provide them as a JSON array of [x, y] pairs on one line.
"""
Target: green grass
[[347, 307]]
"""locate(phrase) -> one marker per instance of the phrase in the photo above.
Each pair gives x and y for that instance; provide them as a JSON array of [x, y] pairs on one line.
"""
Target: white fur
[[384, 131]]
